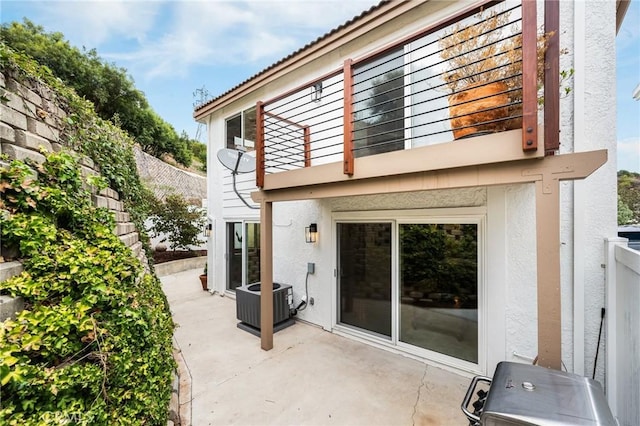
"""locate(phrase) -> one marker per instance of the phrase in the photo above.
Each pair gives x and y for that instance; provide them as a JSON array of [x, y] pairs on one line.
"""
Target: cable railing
[[473, 74]]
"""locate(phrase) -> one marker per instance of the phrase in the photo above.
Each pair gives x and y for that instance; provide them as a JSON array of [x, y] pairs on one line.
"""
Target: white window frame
[[244, 223], [245, 144]]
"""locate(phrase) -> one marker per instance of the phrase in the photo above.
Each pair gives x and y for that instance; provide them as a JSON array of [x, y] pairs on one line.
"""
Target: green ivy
[[93, 345], [84, 132]]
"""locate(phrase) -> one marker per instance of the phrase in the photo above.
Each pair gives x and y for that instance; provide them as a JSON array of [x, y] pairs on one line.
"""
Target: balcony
[[450, 96], [408, 117]]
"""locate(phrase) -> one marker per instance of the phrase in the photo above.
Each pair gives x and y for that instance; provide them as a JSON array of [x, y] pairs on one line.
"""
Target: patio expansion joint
[[422, 385]]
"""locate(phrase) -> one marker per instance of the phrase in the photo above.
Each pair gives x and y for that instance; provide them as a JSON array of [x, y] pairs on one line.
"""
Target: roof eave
[[377, 16], [621, 11]]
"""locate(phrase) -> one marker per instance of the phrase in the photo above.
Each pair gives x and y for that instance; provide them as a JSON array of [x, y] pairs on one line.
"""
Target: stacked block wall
[[28, 123]]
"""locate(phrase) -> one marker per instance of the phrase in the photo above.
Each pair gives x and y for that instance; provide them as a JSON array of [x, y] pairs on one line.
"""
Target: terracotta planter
[[203, 281], [480, 104]]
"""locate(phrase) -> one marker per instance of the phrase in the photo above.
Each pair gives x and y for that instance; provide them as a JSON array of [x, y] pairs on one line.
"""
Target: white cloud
[[167, 38], [629, 154], [220, 33], [95, 22]]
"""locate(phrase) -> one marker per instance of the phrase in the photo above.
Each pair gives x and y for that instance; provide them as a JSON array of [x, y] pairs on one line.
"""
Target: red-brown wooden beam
[[260, 144], [348, 117], [529, 76], [307, 146], [552, 78]]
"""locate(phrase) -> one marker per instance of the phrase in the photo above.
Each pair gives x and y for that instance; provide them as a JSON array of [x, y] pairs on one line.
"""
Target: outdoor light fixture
[[311, 233], [207, 230], [316, 92]]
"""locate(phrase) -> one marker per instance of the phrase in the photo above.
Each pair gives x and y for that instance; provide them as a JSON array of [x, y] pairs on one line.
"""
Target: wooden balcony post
[[548, 275], [348, 118], [552, 78], [266, 275], [307, 146], [529, 76], [260, 144]]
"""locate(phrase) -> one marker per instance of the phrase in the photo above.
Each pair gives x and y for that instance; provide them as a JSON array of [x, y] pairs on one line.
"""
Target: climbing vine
[[84, 132], [93, 344]]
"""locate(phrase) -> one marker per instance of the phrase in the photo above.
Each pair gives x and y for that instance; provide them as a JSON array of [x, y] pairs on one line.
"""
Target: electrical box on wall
[[311, 268]]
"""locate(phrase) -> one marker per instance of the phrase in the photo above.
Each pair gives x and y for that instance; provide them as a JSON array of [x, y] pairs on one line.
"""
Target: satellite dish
[[237, 161]]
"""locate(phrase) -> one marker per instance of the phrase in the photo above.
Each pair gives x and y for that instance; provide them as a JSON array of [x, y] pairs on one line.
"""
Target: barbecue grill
[[522, 394]]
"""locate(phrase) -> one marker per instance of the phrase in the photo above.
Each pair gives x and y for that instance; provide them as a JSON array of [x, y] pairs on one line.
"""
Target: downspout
[[579, 196]]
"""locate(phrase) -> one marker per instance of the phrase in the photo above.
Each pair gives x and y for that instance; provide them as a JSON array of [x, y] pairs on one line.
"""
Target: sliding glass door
[[252, 249], [243, 253], [234, 255], [439, 288], [431, 302], [364, 262]]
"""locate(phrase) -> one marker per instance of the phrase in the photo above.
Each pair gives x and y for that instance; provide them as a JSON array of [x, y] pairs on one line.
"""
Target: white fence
[[623, 331]]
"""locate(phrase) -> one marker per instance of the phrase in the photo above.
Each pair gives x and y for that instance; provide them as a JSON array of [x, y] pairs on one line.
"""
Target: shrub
[[181, 222]]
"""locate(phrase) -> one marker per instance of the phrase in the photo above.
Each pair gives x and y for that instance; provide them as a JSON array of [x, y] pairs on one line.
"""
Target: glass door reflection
[[252, 235], [234, 255], [364, 265], [439, 288]]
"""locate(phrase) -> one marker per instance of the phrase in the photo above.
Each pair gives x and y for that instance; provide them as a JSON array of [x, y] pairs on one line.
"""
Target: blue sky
[[172, 48], [628, 78]]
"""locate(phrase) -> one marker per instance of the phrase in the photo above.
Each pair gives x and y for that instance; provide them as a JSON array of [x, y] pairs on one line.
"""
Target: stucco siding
[[600, 132], [588, 214], [521, 310], [588, 208], [291, 254]]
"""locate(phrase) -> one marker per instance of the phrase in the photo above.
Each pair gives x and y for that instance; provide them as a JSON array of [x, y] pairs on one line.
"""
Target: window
[[378, 105], [241, 130], [249, 128]]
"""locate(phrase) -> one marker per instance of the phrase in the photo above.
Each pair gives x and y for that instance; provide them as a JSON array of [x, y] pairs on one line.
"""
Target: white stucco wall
[[521, 310], [600, 205], [588, 207]]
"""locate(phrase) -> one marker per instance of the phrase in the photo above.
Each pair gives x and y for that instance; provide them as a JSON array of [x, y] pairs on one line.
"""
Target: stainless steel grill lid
[[527, 394]]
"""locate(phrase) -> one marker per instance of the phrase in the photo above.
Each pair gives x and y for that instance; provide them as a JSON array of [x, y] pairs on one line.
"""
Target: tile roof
[[297, 52]]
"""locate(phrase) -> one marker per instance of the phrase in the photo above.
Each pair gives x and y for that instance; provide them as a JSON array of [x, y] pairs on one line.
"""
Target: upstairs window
[[241, 130], [378, 105]]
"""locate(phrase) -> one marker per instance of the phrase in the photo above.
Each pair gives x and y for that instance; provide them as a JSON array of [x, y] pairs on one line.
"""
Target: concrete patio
[[311, 377]]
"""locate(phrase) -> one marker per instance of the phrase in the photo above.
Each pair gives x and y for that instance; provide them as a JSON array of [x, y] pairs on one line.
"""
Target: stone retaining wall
[[175, 266], [29, 122]]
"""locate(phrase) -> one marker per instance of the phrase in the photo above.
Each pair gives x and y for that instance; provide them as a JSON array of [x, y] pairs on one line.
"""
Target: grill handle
[[467, 398]]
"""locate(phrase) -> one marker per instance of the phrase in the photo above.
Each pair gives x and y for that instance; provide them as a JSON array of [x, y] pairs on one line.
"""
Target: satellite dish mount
[[237, 162]]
